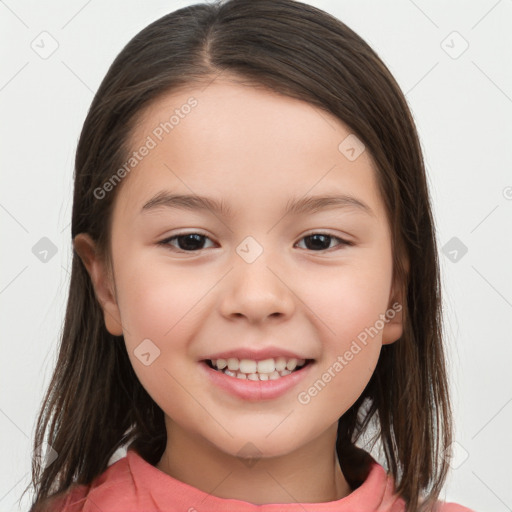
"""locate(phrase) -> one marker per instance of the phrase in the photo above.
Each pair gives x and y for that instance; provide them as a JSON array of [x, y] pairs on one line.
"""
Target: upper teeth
[[251, 366]]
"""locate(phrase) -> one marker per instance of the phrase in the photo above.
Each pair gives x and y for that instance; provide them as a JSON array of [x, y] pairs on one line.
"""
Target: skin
[[254, 149]]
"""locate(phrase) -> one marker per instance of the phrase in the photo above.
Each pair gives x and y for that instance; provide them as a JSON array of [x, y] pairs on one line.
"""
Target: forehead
[[242, 144]]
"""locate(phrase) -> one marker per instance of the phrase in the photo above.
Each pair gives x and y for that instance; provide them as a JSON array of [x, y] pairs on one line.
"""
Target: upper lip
[[255, 354]]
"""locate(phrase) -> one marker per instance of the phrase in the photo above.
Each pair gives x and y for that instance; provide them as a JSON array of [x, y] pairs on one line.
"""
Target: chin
[[257, 444]]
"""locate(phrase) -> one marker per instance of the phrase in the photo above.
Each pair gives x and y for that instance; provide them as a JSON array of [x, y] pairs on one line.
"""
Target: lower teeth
[[257, 376]]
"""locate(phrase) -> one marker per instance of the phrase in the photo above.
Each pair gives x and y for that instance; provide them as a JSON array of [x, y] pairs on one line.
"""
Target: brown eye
[[322, 241], [186, 242]]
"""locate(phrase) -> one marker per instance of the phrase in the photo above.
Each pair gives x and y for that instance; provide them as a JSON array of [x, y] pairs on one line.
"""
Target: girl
[[255, 284]]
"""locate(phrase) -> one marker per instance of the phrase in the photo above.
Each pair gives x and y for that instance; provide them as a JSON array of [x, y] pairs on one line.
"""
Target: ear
[[394, 324], [86, 249]]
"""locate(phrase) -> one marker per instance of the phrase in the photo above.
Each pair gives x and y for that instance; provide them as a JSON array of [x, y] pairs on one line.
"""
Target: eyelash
[[166, 242]]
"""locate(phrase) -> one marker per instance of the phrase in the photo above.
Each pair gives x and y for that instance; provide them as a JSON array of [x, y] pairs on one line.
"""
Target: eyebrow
[[294, 206]]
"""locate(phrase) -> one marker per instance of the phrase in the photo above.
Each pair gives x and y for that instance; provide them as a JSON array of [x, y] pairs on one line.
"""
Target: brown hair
[[95, 404]]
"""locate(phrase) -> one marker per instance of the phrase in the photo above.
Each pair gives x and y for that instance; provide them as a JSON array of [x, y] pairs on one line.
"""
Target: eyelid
[[326, 232]]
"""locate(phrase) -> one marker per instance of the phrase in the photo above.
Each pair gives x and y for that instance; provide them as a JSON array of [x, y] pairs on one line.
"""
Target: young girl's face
[[254, 281]]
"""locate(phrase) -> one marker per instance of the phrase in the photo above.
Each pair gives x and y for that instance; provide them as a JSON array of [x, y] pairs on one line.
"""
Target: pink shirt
[[132, 484]]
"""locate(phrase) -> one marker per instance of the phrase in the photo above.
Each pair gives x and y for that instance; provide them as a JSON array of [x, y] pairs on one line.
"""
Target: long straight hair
[[95, 404]]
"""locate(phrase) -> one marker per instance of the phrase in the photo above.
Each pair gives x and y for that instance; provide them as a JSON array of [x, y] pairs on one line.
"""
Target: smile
[[250, 369], [245, 381]]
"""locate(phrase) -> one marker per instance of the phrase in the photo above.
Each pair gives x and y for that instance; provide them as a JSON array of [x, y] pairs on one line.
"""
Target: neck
[[310, 474]]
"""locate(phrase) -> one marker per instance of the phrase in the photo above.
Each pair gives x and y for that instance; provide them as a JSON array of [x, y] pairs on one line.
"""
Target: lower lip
[[256, 390]]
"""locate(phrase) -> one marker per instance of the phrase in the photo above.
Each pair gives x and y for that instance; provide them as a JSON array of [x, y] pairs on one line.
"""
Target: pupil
[[316, 239], [196, 238]]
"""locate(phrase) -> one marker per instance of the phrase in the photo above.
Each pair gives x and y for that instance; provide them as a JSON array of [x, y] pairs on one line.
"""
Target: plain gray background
[[451, 59]]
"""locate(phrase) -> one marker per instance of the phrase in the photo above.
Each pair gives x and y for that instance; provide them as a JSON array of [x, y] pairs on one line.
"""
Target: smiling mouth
[[268, 369]]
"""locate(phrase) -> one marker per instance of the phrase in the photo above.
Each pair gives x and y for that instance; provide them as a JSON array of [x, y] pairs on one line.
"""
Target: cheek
[[346, 313], [162, 303], [346, 302], [157, 305], [156, 301]]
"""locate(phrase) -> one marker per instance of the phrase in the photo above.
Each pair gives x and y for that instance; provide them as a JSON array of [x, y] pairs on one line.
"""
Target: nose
[[257, 291]]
